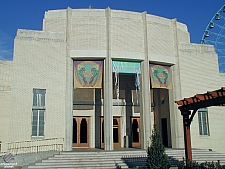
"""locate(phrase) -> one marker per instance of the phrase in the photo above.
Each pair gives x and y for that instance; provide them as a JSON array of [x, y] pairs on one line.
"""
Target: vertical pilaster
[[175, 94], [69, 89], [107, 107], [145, 93]]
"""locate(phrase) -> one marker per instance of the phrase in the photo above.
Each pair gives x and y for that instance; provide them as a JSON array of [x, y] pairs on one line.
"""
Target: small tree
[[157, 158]]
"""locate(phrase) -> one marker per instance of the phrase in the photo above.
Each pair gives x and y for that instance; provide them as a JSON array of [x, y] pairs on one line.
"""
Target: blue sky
[[28, 14]]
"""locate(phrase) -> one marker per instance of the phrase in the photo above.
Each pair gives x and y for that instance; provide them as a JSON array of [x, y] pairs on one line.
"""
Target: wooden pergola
[[188, 108]]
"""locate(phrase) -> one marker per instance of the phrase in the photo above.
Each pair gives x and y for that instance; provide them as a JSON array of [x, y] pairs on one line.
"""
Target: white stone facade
[[5, 96], [44, 60]]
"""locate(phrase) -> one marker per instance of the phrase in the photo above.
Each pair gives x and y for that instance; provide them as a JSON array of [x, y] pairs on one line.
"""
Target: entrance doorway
[[164, 132], [80, 131], [116, 132], [135, 122]]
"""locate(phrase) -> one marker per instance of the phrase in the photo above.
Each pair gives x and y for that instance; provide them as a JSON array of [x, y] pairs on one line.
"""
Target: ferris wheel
[[214, 34]]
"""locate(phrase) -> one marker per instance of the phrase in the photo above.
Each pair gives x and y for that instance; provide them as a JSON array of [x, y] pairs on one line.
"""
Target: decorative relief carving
[[40, 35], [5, 88], [159, 24], [196, 48], [40, 39]]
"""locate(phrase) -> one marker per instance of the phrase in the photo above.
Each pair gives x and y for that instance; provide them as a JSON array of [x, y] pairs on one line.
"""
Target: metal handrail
[[34, 146]]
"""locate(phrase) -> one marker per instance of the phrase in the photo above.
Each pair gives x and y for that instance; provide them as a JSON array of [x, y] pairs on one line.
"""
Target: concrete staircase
[[198, 155], [117, 159]]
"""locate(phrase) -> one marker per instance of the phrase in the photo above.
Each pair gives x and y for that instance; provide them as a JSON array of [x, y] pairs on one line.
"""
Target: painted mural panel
[[160, 76], [88, 74]]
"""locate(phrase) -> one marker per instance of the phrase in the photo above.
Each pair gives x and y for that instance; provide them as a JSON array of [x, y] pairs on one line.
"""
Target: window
[[38, 111], [203, 122]]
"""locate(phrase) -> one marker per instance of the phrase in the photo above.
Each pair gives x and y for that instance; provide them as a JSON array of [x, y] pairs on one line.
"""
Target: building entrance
[[80, 132], [116, 132], [164, 131], [162, 115], [136, 142]]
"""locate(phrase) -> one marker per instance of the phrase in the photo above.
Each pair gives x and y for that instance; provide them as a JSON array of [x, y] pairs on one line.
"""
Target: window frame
[[203, 122], [38, 107]]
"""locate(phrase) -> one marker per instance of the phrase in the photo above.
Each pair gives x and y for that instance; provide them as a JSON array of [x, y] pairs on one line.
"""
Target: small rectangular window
[[38, 111], [39, 98], [203, 122]]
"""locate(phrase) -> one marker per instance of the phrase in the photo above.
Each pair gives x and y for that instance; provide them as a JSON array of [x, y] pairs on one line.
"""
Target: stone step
[[196, 155], [78, 166], [124, 159], [81, 160], [199, 155], [96, 156], [140, 152], [99, 163], [102, 153]]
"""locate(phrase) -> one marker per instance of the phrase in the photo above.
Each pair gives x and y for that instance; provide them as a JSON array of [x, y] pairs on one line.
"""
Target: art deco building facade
[[101, 78]]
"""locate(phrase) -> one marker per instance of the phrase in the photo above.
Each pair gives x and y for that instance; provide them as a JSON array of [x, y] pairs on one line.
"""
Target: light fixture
[[153, 105], [162, 101]]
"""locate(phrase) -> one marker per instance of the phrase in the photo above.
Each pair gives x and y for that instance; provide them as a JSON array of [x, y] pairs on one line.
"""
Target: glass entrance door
[[136, 132], [80, 132], [116, 132]]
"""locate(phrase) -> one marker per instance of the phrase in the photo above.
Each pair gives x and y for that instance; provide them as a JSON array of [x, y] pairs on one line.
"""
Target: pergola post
[[213, 98], [187, 134]]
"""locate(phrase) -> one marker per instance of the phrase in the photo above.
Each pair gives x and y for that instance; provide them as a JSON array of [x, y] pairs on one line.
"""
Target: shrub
[[157, 158], [195, 165]]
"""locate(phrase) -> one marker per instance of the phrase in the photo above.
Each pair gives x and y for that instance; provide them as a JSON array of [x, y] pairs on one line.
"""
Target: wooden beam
[[187, 136], [205, 103]]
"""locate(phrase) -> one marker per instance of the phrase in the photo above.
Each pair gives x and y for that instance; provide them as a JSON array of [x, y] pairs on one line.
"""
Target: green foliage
[[195, 165], [190, 165], [157, 158]]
